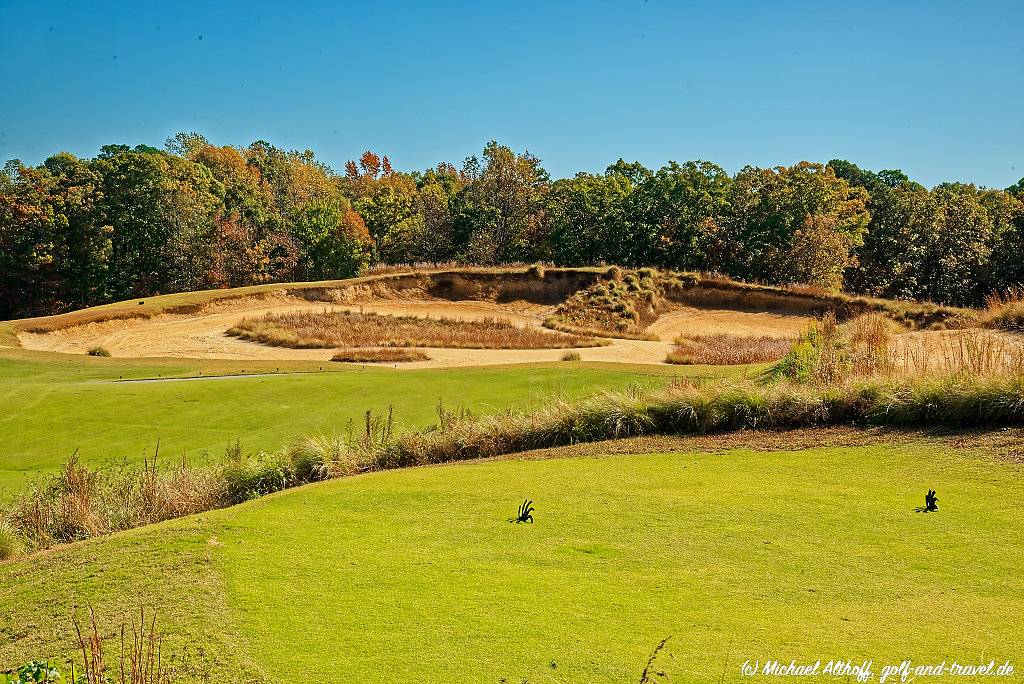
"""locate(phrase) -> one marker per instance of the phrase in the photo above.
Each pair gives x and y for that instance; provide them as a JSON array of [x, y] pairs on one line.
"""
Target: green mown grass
[[51, 405], [417, 575]]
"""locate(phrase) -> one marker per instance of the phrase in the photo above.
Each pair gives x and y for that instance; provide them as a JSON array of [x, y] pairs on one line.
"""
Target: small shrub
[[34, 672], [252, 477], [819, 355], [571, 356], [98, 351]]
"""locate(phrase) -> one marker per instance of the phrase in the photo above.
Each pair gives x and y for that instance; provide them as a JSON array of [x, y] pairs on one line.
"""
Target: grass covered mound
[[724, 552], [727, 350], [621, 305], [323, 330]]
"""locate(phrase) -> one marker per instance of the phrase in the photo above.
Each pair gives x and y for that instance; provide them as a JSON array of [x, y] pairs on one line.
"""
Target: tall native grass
[[872, 346], [349, 329], [681, 410], [723, 349], [79, 502]]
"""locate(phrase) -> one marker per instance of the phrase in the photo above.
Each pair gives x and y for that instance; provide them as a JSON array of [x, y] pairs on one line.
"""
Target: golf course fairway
[[419, 575]]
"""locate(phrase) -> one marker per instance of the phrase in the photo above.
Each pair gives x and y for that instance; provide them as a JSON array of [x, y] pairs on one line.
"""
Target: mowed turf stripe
[[817, 553]]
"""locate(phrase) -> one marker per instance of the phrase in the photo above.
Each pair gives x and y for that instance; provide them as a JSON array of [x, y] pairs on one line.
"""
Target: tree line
[[138, 221]]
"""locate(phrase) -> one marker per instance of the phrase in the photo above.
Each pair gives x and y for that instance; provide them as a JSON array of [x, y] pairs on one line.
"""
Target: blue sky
[[934, 88]]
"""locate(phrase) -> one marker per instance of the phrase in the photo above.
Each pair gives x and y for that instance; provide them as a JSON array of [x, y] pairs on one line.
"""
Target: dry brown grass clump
[[876, 348], [727, 350], [870, 339], [382, 355], [1005, 311], [323, 330], [79, 503]]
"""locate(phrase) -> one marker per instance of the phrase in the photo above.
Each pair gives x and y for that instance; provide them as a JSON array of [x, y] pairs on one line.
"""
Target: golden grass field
[[331, 329]]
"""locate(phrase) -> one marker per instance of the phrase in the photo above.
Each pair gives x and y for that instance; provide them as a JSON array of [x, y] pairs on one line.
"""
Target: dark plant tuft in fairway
[[525, 512], [652, 673]]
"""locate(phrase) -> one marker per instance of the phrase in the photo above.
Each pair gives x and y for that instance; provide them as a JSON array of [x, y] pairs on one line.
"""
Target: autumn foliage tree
[[136, 221]]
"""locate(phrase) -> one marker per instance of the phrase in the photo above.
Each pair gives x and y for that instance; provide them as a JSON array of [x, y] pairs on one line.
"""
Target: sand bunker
[[203, 334]]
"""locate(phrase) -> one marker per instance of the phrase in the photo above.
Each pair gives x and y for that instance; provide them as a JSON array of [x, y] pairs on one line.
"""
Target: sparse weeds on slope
[[79, 502], [138, 658]]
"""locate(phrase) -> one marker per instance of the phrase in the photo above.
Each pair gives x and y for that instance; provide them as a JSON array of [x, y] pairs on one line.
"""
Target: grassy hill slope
[[417, 575]]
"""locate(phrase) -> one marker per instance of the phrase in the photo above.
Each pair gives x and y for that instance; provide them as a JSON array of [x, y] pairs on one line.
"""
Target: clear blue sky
[[934, 88]]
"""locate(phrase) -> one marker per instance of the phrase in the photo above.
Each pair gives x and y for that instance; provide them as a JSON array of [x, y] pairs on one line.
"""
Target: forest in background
[[139, 221]]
